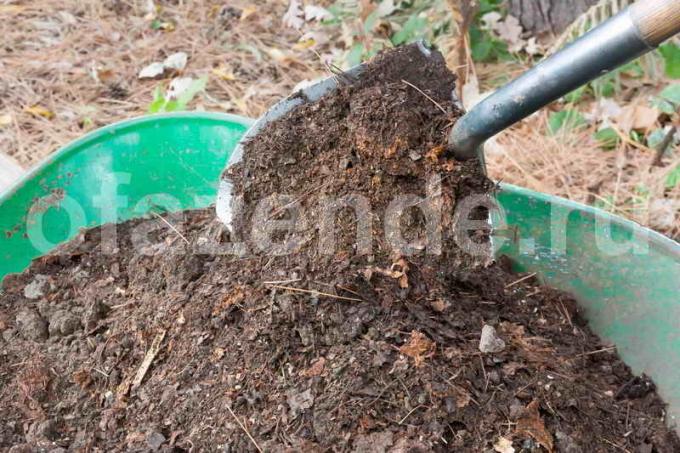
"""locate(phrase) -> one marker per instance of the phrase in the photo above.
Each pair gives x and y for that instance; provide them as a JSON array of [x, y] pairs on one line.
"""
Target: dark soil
[[315, 349]]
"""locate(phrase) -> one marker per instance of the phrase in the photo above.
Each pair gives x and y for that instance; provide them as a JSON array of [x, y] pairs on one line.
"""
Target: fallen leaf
[[294, 15], [385, 8], [434, 153], [637, 117], [503, 445], [316, 13], [439, 305], [223, 73], [176, 61], [152, 71], [5, 119], [510, 31], [419, 348], [530, 423], [248, 11], [316, 369], [463, 398], [38, 110], [233, 298]]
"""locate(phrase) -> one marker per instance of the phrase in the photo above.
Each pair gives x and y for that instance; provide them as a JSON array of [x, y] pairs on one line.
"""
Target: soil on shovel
[[400, 343]]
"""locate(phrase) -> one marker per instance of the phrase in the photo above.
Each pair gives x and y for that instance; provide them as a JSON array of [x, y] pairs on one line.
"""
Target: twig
[[526, 277], [426, 95], [615, 445], [316, 293], [245, 430], [661, 147], [409, 414], [278, 282], [172, 227], [148, 359], [611, 348]]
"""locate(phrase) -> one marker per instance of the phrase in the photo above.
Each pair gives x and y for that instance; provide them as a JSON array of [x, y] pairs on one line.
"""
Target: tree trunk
[[548, 16]]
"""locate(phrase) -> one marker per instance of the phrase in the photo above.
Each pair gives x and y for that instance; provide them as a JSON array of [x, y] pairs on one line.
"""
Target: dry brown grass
[[50, 50], [570, 164]]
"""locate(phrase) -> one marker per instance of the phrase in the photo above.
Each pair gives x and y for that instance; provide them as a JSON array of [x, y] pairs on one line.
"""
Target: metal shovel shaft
[[631, 33]]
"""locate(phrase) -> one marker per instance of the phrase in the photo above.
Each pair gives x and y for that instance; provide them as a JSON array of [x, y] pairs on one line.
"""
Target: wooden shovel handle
[[657, 20]]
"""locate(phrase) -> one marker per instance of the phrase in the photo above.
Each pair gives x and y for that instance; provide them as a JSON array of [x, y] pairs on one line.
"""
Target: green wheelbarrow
[[626, 277]]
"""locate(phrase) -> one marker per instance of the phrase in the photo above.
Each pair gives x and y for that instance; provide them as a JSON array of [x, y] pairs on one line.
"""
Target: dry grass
[[52, 49], [570, 164]]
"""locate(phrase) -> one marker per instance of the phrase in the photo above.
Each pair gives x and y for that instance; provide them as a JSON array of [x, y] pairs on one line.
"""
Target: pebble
[[490, 342], [63, 323], [36, 289], [154, 440], [31, 325]]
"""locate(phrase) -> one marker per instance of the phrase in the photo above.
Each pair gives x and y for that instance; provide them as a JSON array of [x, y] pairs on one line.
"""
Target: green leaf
[[671, 56], [565, 119], [413, 27], [668, 100], [371, 20], [355, 54], [607, 138], [656, 137], [673, 178], [158, 102], [671, 93], [576, 95]]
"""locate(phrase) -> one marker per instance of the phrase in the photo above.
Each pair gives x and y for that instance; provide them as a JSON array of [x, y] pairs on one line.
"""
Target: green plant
[[484, 46], [673, 178], [565, 119], [668, 101], [607, 138], [163, 103], [671, 56]]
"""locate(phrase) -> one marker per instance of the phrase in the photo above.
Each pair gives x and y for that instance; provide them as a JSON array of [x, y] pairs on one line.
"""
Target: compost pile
[[315, 345]]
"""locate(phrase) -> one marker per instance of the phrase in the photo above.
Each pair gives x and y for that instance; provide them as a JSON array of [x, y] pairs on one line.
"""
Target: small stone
[[154, 440], [299, 402], [96, 311], [490, 342], [414, 156], [566, 443], [31, 325], [36, 289], [63, 323], [46, 430]]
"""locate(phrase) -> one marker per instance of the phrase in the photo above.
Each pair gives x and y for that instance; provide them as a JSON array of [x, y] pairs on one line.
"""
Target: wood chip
[[148, 359]]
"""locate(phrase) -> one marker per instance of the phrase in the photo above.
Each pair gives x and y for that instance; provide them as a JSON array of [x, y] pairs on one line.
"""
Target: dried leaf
[[530, 423], [316, 13], [637, 117], [176, 61], [385, 8], [224, 73], [151, 71], [248, 11], [234, 298], [38, 110], [419, 348], [294, 16], [503, 445], [316, 369]]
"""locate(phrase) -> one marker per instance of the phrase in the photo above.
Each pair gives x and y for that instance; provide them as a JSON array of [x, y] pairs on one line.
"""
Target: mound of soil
[[404, 342]]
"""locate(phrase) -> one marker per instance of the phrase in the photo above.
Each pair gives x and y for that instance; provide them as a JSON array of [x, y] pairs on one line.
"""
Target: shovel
[[633, 32]]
